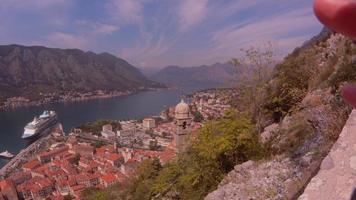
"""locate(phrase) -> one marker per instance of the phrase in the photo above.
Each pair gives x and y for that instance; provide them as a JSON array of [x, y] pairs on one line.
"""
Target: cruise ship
[[40, 124]]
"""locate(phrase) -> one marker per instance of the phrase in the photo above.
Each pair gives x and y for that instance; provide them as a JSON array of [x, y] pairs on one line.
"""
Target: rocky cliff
[[336, 177], [309, 116], [28, 71]]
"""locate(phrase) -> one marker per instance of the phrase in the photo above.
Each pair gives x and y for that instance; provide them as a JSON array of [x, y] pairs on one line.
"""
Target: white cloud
[[192, 12], [222, 11], [126, 11], [106, 29], [96, 28], [148, 51], [285, 29], [65, 40], [32, 4]]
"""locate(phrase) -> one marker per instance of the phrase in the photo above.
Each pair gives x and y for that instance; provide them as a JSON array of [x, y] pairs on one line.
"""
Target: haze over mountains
[[30, 70], [206, 76]]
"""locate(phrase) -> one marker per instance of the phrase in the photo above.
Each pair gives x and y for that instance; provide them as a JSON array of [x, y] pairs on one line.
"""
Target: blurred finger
[[349, 94]]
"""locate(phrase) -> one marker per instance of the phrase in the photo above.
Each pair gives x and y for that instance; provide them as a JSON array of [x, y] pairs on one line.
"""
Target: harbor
[[105, 152], [134, 106], [31, 151]]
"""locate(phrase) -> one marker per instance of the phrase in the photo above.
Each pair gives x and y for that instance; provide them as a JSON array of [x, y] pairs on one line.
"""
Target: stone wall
[[336, 178]]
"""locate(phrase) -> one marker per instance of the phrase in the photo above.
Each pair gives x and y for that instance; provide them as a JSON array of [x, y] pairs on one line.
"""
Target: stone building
[[107, 132], [148, 123], [183, 119]]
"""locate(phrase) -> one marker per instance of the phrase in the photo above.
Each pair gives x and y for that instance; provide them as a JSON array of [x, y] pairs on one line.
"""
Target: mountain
[[30, 70], [150, 71], [216, 75]]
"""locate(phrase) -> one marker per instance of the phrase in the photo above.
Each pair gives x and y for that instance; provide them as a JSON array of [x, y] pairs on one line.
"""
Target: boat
[[6, 154], [41, 124]]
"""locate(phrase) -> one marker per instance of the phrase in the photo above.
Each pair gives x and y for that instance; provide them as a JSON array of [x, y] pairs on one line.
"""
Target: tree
[[254, 69], [76, 158], [68, 197], [95, 194], [198, 117], [150, 133], [98, 144], [96, 127], [165, 134], [153, 145]]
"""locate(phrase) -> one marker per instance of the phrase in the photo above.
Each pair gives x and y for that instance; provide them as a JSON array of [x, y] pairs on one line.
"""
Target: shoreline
[[33, 149], [66, 99]]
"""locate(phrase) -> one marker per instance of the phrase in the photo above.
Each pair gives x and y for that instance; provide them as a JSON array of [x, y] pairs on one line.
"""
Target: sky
[[158, 33]]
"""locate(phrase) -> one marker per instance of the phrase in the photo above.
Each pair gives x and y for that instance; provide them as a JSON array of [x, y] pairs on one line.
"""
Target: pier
[[29, 152]]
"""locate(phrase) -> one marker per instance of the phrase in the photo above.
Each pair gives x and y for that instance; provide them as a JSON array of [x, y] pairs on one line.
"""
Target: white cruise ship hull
[[40, 127]]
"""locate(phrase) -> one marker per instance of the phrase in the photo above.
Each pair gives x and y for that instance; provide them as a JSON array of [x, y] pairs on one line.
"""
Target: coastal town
[[71, 96], [62, 166]]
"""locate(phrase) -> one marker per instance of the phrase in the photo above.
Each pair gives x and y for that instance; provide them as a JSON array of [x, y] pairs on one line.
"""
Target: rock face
[[336, 178], [304, 137], [30, 70], [264, 180], [284, 176], [269, 132]]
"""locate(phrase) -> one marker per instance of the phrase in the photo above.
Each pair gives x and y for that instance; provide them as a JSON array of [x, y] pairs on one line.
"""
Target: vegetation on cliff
[[303, 101]]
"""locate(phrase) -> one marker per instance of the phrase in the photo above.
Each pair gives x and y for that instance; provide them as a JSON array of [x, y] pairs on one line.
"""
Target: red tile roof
[[109, 178], [45, 182], [114, 157], [6, 184], [79, 188], [54, 152], [167, 155], [94, 176], [82, 177], [58, 197], [31, 165]]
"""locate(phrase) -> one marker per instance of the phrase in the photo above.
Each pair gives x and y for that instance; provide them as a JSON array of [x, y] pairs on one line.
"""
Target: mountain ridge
[[215, 75], [38, 69]]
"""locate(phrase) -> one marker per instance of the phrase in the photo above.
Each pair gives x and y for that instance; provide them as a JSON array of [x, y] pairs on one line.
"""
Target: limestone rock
[[284, 176], [269, 132]]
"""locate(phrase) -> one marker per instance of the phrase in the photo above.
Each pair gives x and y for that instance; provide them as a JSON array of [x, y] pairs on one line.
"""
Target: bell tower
[[183, 121]]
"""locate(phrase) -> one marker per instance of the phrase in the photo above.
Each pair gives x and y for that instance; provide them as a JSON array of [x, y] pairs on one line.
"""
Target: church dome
[[182, 110]]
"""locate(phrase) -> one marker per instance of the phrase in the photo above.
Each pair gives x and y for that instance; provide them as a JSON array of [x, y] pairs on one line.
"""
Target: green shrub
[[215, 150], [198, 117], [96, 127], [291, 86], [345, 73], [95, 194], [293, 136]]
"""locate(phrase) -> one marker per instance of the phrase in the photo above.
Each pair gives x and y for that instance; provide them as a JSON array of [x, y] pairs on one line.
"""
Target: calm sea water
[[74, 114]]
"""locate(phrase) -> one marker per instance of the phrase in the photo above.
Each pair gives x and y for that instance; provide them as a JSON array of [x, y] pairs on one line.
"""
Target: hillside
[[303, 99], [261, 151], [207, 76], [28, 71]]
